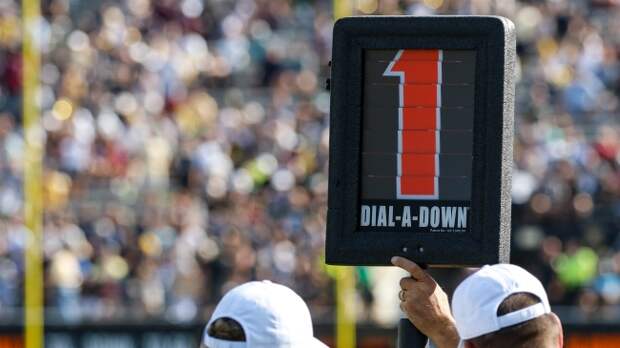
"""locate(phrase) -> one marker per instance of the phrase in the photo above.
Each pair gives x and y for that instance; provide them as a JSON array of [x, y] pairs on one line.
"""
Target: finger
[[402, 295], [416, 271], [407, 283], [402, 307], [415, 287]]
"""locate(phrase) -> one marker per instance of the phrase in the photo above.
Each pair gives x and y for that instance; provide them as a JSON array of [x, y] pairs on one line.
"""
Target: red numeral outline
[[419, 89]]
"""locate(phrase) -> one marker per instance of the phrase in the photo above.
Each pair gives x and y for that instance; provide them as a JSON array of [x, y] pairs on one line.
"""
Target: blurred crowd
[[186, 148]]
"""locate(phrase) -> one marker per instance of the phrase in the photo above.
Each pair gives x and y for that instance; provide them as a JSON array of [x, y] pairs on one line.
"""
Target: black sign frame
[[493, 39]]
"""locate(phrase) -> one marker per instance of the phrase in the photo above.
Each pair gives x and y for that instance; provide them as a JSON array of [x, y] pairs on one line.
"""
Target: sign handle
[[409, 336]]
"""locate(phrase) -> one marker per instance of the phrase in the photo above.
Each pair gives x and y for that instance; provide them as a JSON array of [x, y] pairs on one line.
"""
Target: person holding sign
[[499, 306]]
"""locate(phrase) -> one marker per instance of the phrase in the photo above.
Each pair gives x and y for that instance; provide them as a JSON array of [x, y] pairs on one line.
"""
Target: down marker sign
[[421, 121]]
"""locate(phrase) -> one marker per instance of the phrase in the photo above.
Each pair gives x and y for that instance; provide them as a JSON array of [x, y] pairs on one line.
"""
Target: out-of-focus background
[[186, 147]]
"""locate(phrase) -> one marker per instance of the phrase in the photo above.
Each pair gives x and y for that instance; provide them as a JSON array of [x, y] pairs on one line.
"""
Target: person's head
[[260, 314], [504, 306]]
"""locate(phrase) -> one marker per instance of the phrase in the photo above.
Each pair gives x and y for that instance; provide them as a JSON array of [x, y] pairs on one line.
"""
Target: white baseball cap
[[477, 298], [271, 315]]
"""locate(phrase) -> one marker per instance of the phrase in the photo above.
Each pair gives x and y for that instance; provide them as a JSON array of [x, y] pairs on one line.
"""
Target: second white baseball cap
[[477, 298], [271, 315]]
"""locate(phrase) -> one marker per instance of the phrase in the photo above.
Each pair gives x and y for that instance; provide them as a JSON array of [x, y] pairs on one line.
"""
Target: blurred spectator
[[187, 144]]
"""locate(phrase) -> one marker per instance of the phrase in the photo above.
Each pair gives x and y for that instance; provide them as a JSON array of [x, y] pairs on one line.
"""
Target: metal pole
[[33, 205], [345, 307]]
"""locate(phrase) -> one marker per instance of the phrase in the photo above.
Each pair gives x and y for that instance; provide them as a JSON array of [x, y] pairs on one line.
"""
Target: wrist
[[446, 336]]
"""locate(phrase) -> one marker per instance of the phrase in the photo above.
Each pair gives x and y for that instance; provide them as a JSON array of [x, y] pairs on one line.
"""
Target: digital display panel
[[417, 140]]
